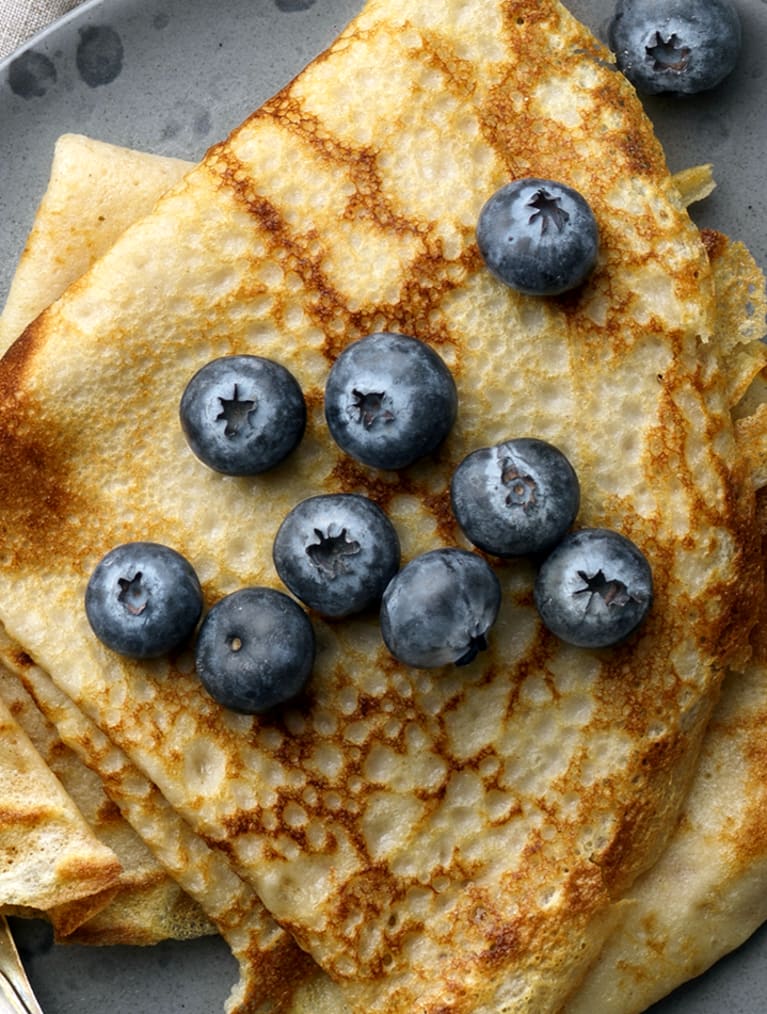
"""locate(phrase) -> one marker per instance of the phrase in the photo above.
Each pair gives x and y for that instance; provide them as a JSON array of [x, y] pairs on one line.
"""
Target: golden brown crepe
[[270, 963], [715, 864], [145, 904], [539, 812], [79, 218], [706, 894], [94, 191], [49, 856]]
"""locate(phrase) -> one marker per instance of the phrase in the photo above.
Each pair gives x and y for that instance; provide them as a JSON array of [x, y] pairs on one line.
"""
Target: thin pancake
[[723, 885], [527, 792], [724, 879], [145, 904], [267, 956], [79, 217], [706, 895], [708, 891], [49, 856], [94, 191]]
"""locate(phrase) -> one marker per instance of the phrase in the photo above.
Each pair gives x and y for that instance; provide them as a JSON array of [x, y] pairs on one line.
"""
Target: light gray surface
[[184, 72]]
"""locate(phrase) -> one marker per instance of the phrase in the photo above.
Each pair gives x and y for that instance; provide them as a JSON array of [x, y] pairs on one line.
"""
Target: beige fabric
[[21, 19]]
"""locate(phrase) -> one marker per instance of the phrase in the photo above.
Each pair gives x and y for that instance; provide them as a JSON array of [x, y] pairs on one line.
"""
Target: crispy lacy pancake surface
[[145, 904], [275, 975], [449, 840], [723, 885], [706, 894], [49, 856]]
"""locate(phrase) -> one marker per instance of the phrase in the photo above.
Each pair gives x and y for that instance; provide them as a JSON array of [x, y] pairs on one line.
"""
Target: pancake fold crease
[[436, 841]]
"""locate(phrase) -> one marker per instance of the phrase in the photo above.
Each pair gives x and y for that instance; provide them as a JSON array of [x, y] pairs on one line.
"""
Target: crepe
[[270, 963], [79, 218], [706, 895], [363, 241], [49, 856], [723, 880], [708, 891], [145, 905], [723, 886], [94, 191], [142, 912]]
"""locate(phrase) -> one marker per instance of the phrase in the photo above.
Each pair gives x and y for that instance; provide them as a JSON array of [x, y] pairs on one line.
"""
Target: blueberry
[[438, 609], [242, 415], [681, 46], [594, 588], [143, 599], [538, 236], [337, 552], [255, 650], [389, 400], [517, 497]]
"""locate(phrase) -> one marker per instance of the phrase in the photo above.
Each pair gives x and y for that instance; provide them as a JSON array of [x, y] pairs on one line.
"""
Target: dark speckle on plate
[[160, 21], [191, 120], [31, 75], [202, 123], [170, 130], [294, 5], [99, 55]]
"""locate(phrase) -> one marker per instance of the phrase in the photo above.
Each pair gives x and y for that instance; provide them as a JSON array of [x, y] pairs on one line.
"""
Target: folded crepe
[[706, 894], [144, 904], [49, 856], [274, 974], [79, 218], [94, 191], [718, 851], [715, 864], [455, 838]]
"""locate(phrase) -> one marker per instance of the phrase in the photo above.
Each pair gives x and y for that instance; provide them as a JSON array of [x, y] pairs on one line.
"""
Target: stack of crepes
[[547, 828]]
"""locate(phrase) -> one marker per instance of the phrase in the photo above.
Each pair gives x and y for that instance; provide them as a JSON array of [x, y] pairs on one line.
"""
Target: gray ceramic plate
[[174, 76]]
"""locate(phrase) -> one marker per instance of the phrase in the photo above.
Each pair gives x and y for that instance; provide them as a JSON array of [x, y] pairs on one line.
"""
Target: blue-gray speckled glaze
[[173, 77]]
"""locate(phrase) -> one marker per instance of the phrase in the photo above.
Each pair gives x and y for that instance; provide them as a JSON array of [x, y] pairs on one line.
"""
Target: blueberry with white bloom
[[255, 650], [389, 400], [679, 46], [337, 552], [143, 599], [243, 414], [594, 588], [439, 608], [538, 236], [515, 498]]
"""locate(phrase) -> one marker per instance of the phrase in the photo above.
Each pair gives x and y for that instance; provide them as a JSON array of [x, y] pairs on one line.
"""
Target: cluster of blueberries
[[389, 400]]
